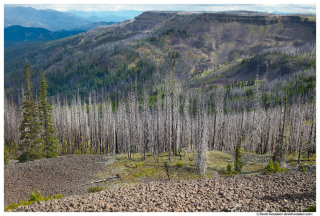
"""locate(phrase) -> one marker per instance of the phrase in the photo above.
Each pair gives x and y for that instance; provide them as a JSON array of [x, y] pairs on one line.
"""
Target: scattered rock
[[277, 192], [255, 158]]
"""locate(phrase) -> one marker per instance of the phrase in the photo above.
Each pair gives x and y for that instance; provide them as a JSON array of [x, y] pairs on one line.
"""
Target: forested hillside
[[19, 33], [201, 48]]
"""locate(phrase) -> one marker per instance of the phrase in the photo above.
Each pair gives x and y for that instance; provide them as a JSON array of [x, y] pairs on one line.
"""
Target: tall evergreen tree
[[31, 142], [45, 117], [238, 163]]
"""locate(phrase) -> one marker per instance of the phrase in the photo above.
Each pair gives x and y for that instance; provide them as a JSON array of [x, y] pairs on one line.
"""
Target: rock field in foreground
[[291, 191], [67, 175]]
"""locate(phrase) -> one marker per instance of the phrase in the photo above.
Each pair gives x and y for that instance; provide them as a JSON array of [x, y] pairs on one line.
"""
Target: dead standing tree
[[202, 141], [280, 151]]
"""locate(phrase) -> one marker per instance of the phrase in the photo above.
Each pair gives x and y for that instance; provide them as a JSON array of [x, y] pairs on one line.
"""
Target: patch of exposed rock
[[66, 174], [291, 191], [307, 167], [254, 158]]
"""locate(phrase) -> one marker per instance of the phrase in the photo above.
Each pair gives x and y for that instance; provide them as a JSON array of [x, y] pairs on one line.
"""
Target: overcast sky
[[288, 8]]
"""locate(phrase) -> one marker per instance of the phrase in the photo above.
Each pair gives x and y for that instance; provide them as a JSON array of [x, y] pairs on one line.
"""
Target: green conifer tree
[[269, 168], [45, 117], [238, 163], [31, 142], [229, 169]]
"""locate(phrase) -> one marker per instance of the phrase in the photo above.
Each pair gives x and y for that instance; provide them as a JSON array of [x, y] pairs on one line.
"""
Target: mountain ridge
[[208, 48], [117, 16], [50, 19], [20, 33]]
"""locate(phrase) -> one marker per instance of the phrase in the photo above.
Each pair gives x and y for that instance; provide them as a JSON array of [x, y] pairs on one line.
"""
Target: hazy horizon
[[281, 8]]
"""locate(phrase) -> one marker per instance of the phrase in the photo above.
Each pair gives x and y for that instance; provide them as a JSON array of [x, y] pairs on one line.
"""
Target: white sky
[[287, 8]]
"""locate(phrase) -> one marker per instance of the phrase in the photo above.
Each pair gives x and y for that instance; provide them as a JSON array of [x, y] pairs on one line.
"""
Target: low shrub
[[269, 168], [310, 209], [179, 164], [48, 198], [272, 168], [137, 174], [95, 189], [34, 197], [303, 169], [229, 169], [29, 155], [25, 202], [12, 206], [58, 196], [277, 167], [148, 172], [227, 172], [139, 164], [13, 154]]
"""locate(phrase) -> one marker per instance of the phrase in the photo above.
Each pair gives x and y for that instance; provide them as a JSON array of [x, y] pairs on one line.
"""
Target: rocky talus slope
[[290, 191], [68, 175]]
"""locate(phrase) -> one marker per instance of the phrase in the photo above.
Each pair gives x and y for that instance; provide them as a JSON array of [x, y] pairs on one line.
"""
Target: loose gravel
[[255, 158], [67, 175], [290, 191]]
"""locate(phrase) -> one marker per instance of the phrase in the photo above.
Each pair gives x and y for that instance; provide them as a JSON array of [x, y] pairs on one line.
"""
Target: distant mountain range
[[20, 33], [115, 16], [48, 19], [55, 20], [94, 18]]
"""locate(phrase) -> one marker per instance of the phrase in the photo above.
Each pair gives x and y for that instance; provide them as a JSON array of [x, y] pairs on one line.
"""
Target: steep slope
[[211, 40], [201, 48], [48, 19]]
